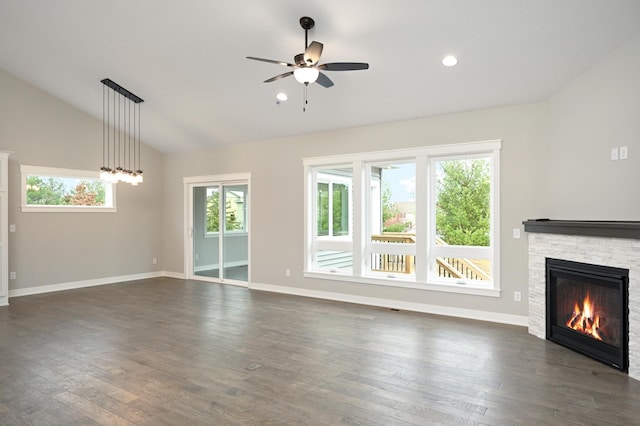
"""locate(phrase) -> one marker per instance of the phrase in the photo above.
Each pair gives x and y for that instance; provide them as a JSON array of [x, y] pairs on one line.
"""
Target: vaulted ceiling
[[187, 59]]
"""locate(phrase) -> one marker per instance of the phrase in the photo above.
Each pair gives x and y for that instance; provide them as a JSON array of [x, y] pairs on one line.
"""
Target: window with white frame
[[333, 219], [421, 218], [49, 189]]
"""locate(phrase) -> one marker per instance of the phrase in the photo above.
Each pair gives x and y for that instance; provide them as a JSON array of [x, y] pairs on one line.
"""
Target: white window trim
[[360, 247], [26, 170]]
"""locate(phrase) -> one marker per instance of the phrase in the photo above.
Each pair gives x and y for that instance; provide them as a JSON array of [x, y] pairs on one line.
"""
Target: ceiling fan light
[[306, 75]]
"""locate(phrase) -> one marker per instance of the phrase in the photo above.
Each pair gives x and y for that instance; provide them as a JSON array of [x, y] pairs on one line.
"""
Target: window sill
[[398, 282]]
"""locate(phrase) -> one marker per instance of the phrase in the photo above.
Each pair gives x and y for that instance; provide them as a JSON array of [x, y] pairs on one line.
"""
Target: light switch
[[516, 232], [614, 153], [12, 228]]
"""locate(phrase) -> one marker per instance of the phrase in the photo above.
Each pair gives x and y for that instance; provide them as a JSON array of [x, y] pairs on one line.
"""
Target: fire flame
[[583, 320]]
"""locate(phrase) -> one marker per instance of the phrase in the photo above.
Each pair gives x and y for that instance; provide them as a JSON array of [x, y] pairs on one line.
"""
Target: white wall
[[57, 248]]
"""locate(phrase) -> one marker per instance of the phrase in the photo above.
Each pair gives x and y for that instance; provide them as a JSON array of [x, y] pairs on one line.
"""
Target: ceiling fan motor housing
[[306, 23]]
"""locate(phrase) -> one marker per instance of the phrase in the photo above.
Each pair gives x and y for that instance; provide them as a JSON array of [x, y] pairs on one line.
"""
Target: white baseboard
[[396, 304], [176, 275], [317, 294], [80, 284]]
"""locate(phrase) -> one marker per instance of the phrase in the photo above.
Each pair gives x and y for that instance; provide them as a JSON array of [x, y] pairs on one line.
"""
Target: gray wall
[[55, 248], [598, 111], [277, 195]]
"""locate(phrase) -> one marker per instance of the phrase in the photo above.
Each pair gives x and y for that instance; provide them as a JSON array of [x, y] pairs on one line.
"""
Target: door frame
[[222, 179]]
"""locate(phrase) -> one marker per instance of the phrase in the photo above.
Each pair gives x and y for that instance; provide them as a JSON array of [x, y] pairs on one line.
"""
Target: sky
[[401, 178]]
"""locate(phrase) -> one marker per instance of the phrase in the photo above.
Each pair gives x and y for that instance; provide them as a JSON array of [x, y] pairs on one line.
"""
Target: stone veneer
[[616, 252]]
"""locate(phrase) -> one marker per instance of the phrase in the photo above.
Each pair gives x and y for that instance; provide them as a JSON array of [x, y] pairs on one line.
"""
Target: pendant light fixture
[[120, 135]]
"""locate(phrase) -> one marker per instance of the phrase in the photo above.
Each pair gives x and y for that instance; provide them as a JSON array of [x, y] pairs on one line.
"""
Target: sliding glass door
[[219, 231]]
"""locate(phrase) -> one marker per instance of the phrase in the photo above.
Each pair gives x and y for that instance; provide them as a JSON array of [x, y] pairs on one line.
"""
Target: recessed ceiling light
[[282, 96], [449, 61]]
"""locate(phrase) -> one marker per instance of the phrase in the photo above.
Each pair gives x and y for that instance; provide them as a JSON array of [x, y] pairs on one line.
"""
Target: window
[[48, 189], [419, 218], [235, 209], [391, 209], [333, 219], [460, 250]]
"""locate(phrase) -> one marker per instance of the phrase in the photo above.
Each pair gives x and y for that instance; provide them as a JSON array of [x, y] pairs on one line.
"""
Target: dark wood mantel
[[593, 228]]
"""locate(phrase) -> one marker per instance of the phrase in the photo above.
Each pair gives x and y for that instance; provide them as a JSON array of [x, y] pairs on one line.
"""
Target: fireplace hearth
[[587, 309]]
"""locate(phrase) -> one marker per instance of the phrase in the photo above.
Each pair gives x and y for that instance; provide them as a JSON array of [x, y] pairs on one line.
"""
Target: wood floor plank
[[176, 352]]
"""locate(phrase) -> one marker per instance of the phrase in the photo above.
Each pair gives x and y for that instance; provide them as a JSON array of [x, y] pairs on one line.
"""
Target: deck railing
[[448, 267]]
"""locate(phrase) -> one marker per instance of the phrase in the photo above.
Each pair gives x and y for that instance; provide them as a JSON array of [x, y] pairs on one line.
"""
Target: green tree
[[390, 211], [323, 209], [213, 214], [86, 193], [463, 204], [49, 192]]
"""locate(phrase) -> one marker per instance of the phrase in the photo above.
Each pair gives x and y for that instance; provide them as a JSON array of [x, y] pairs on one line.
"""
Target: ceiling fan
[[305, 67]]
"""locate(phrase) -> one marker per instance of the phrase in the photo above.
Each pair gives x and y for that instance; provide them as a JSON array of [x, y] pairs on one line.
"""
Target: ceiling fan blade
[[278, 77], [312, 53], [271, 61], [324, 81], [344, 66]]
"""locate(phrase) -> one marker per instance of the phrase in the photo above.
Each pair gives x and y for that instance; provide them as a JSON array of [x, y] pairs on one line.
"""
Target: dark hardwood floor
[[168, 351]]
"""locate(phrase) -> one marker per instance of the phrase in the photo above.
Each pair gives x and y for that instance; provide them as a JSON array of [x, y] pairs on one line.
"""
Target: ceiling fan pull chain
[[304, 106]]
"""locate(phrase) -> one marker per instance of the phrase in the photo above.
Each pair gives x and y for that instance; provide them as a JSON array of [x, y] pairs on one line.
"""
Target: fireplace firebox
[[588, 310]]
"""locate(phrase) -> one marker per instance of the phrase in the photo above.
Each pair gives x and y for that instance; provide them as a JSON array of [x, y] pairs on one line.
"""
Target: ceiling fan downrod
[[306, 23]]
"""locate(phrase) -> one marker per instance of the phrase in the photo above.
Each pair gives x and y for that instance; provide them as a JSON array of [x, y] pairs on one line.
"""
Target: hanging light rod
[[121, 149], [124, 92]]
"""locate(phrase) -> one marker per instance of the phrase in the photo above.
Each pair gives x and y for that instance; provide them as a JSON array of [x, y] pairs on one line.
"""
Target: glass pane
[[236, 240], [333, 260], [63, 191], [340, 210], [334, 204], [393, 205], [213, 208], [323, 209], [393, 263], [235, 208], [206, 239], [463, 202], [463, 269]]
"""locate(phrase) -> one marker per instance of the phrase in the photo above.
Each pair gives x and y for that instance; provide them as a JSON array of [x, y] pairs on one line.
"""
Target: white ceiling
[[186, 59]]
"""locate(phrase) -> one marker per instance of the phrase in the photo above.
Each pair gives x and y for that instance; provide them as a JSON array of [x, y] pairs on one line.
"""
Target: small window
[[48, 189]]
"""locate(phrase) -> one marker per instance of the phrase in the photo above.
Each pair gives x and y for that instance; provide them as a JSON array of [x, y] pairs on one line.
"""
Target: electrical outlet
[[614, 154], [154, 261], [12, 228], [517, 296], [287, 272], [516, 233], [12, 275], [623, 152]]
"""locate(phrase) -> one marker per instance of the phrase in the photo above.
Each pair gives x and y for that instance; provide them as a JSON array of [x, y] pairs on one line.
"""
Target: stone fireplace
[[610, 244]]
